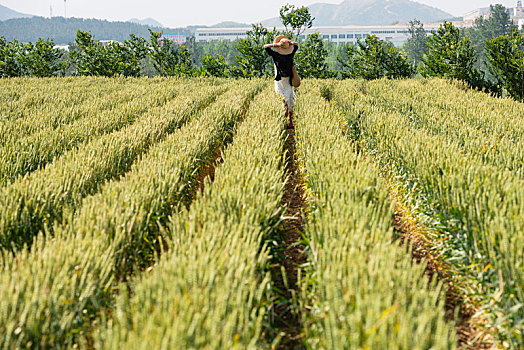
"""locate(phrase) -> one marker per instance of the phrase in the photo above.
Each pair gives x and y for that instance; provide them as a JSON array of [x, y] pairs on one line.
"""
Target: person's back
[[284, 68]]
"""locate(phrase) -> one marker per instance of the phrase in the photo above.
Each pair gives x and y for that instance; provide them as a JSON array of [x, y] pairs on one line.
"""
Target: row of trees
[[39, 59], [488, 56]]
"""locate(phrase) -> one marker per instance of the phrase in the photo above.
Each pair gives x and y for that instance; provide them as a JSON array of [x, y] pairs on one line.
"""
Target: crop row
[[52, 294], [108, 242], [491, 128], [362, 289], [209, 289], [22, 96], [473, 202], [36, 114], [20, 155], [40, 198]]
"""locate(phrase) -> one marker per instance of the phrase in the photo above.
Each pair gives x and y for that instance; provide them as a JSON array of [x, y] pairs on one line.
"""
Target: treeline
[[488, 56], [63, 31]]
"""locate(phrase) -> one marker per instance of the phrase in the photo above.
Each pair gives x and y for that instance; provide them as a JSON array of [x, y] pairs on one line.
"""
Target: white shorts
[[284, 88]]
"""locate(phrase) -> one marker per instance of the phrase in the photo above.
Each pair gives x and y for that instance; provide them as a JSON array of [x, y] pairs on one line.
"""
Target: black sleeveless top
[[283, 63]]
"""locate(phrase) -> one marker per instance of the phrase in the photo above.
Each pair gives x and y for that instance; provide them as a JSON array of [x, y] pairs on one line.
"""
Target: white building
[[397, 34], [473, 15], [515, 13]]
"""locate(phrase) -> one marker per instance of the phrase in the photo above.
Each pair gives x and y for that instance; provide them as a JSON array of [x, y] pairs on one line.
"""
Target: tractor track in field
[[287, 319], [462, 313]]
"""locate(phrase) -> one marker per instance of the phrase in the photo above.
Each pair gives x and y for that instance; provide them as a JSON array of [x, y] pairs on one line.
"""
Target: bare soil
[[288, 320]]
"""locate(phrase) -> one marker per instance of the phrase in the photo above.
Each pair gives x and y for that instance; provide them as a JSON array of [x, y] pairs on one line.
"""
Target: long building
[[516, 14], [396, 34]]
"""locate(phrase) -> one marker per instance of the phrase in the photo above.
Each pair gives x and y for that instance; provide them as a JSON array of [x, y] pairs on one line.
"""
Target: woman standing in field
[[285, 73]]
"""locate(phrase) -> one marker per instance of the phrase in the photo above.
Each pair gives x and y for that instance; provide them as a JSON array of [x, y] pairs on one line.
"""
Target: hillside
[[369, 12], [151, 22], [63, 31], [229, 24], [6, 13]]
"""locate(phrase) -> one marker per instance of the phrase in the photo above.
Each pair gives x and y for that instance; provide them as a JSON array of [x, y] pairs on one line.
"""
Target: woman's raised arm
[[272, 45]]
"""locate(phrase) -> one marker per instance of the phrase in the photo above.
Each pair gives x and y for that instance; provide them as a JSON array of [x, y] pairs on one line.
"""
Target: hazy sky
[[177, 13]]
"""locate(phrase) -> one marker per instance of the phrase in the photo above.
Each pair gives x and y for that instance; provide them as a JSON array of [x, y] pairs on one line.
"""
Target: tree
[[505, 55], [225, 48], [417, 43], [196, 50], [251, 60], [168, 58], [496, 24], [39, 60], [297, 18], [334, 52], [42, 59], [130, 55], [215, 66], [310, 60], [374, 59], [450, 55], [86, 56], [92, 58], [11, 58]]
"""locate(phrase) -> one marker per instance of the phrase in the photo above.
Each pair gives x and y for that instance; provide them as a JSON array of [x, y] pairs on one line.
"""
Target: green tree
[[225, 48], [310, 60], [130, 54], [92, 58], [86, 55], [215, 66], [450, 55], [334, 52], [11, 58], [505, 55], [298, 19], [170, 59], [374, 59], [39, 60], [196, 50], [42, 59], [415, 47], [251, 60], [496, 24]]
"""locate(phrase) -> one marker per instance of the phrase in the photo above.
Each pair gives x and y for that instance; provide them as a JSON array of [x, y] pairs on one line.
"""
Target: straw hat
[[286, 49]]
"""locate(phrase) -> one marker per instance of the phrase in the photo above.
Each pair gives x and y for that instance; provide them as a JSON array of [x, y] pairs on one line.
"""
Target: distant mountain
[[6, 13], [369, 12], [63, 31], [230, 25], [147, 22]]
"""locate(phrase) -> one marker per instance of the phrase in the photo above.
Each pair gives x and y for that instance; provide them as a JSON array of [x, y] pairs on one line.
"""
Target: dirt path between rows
[[287, 318], [468, 334]]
